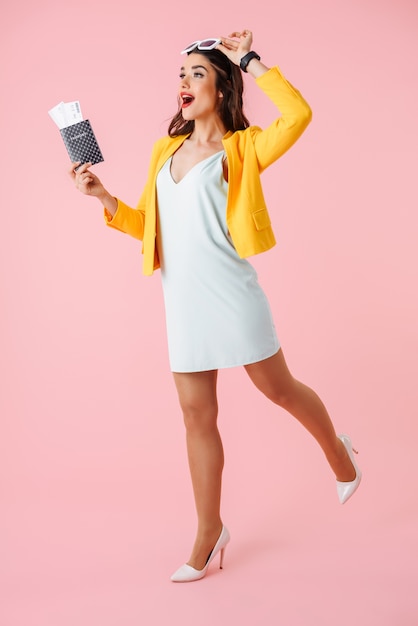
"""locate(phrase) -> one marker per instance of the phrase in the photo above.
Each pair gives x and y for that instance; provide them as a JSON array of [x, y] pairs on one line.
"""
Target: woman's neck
[[208, 131]]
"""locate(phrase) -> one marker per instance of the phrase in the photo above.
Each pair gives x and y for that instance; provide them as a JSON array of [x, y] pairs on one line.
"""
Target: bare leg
[[273, 378], [197, 395]]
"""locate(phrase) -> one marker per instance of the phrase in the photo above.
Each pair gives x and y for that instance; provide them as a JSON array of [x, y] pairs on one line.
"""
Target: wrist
[[245, 60], [109, 202]]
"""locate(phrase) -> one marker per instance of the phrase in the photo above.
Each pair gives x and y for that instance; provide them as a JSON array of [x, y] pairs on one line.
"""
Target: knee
[[199, 418]]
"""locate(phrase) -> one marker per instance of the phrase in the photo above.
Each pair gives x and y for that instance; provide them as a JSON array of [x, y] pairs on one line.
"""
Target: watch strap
[[247, 58]]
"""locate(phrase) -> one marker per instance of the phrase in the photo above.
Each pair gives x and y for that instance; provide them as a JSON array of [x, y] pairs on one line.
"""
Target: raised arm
[[295, 112]]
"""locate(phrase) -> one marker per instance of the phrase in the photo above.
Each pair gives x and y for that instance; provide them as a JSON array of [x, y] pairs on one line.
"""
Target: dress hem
[[224, 367]]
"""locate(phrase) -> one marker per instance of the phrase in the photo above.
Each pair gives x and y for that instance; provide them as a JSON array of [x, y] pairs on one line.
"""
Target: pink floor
[[296, 556]]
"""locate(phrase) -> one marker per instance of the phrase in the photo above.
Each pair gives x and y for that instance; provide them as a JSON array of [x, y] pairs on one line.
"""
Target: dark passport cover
[[81, 143]]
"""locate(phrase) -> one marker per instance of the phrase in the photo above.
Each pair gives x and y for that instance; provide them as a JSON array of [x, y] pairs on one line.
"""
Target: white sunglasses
[[204, 44]]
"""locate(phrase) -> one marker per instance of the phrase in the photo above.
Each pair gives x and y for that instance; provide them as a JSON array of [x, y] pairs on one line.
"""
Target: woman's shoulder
[[167, 143], [164, 147], [242, 136], [167, 140]]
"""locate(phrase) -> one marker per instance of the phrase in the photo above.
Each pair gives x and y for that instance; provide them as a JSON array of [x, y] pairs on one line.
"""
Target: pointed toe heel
[[186, 573]]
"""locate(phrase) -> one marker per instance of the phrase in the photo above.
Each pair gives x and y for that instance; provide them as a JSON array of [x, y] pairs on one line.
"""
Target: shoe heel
[[186, 573], [221, 562]]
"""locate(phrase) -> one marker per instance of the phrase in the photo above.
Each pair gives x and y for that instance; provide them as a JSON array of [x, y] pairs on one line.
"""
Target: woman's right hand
[[85, 181], [89, 184]]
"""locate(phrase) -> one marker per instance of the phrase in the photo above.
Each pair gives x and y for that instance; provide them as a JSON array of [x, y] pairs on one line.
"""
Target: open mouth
[[186, 100]]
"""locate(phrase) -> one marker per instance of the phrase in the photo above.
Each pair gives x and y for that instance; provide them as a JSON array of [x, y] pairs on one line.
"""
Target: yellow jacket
[[248, 152]]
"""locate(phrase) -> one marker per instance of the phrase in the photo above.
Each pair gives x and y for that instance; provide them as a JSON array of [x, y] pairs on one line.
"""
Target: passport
[[76, 132], [81, 143]]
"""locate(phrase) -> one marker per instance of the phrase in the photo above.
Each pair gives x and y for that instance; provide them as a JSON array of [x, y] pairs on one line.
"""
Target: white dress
[[217, 315]]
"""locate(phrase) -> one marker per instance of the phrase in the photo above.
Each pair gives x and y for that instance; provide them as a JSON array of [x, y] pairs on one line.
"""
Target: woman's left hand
[[236, 45]]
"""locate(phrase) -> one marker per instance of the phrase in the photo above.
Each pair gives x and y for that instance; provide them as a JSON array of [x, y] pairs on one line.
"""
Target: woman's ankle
[[340, 463]]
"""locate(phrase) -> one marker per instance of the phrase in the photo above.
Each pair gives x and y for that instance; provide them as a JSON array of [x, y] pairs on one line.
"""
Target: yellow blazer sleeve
[[272, 142], [141, 222], [132, 221], [128, 220]]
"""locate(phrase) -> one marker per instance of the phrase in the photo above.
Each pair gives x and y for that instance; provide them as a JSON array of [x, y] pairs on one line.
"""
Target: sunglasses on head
[[204, 44]]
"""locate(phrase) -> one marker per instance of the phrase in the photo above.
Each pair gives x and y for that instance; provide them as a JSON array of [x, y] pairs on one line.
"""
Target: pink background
[[96, 504]]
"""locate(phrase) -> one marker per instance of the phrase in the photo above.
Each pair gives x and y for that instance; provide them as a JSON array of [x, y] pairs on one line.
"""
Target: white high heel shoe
[[187, 573], [346, 489]]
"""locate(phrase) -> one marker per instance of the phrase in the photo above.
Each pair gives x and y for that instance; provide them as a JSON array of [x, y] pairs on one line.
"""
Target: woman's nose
[[184, 81]]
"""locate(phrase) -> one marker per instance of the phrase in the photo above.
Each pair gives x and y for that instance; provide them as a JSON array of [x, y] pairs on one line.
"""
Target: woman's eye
[[195, 75]]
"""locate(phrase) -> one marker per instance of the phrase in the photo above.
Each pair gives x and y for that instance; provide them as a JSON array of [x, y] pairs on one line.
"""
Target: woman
[[201, 214]]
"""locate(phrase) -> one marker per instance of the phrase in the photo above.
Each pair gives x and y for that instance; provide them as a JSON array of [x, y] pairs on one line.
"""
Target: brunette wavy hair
[[229, 82]]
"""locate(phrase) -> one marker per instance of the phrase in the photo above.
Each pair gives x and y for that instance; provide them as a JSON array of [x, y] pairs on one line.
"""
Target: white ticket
[[66, 114]]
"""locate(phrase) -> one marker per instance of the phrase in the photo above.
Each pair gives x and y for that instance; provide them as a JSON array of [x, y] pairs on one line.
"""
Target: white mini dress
[[217, 315]]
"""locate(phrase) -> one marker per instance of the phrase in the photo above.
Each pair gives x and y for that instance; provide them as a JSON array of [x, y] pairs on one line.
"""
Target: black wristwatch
[[247, 58]]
